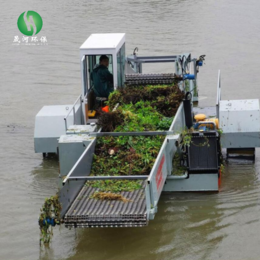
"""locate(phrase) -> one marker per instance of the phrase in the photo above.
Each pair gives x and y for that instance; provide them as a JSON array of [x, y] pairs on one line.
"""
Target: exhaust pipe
[[187, 110]]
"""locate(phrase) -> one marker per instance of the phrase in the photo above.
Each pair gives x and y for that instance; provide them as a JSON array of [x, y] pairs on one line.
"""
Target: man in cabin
[[102, 78]]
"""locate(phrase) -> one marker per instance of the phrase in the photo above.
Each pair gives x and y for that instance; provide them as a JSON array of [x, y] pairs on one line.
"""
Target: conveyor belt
[[149, 79], [88, 212]]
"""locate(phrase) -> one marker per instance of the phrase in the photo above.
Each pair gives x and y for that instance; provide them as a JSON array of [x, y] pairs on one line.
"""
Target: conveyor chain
[[88, 212], [150, 79]]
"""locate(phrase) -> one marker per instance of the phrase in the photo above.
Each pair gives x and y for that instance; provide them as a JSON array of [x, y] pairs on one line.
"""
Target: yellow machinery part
[[200, 117], [91, 113], [214, 120]]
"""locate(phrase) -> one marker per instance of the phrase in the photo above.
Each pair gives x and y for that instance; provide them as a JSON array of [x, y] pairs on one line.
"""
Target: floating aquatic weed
[[50, 215]]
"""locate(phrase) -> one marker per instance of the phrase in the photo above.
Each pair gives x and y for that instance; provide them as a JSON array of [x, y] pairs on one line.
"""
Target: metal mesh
[[203, 153], [87, 212]]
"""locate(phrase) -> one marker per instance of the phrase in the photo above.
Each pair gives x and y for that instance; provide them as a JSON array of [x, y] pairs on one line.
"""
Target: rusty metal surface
[[88, 212]]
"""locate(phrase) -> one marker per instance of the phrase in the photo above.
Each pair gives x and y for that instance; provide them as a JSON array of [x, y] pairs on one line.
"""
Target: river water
[[188, 226]]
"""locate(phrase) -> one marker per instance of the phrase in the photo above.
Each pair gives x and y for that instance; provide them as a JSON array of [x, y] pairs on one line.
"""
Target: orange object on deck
[[105, 109]]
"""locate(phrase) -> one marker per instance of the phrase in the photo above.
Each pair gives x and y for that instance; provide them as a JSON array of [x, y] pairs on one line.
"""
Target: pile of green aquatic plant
[[165, 99], [149, 108], [50, 210], [140, 116], [125, 155], [145, 108]]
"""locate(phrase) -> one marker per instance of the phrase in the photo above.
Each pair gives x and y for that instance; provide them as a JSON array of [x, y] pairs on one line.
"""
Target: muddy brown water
[[190, 226]]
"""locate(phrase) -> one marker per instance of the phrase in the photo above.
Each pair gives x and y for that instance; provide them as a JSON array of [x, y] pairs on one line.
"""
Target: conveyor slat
[[88, 212]]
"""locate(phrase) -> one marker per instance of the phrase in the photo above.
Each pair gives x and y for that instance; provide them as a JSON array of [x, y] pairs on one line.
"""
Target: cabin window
[[92, 62], [121, 67]]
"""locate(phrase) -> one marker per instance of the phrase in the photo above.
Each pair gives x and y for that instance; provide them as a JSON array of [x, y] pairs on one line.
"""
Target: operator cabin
[[102, 66]]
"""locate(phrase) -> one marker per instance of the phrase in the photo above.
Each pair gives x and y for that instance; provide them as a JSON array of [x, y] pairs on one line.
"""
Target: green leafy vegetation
[[178, 169], [125, 155], [165, 99], [140, 116], [165, 123], [115, 185], [187, 138], [220, 131], [148, 108]]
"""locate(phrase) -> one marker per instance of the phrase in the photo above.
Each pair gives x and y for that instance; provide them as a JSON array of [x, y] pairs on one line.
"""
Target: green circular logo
[[29, 23]]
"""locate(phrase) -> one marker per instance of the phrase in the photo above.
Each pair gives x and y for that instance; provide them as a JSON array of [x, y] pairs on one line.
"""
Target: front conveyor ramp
[[89, 212]]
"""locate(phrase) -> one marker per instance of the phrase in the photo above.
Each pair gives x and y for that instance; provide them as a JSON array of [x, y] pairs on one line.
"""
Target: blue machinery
[[75, 141]]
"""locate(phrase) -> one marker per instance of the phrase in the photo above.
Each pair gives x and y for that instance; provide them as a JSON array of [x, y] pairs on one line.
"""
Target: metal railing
[[79, 99], [218, 94]]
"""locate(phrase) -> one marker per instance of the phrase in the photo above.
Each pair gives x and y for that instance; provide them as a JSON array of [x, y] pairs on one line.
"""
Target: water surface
[[188, 226]]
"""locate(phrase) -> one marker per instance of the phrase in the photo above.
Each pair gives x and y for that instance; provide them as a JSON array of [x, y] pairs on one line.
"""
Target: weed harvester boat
[[71, 132]]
